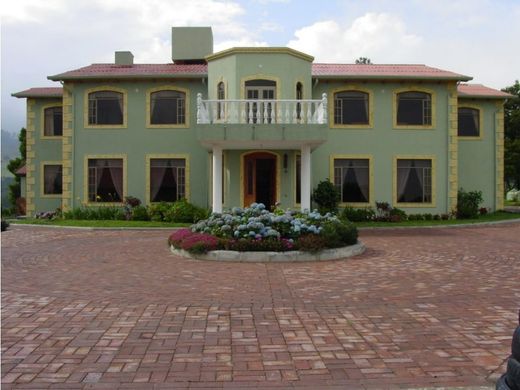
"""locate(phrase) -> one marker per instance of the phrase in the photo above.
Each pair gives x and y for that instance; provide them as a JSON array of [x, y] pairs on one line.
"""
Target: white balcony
[[261, 111]]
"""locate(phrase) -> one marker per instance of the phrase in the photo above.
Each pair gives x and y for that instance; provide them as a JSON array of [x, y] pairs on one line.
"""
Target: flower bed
[[255, 229]]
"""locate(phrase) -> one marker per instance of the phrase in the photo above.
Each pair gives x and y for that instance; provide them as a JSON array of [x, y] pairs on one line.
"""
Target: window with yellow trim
[[221, 95], [105, 180], [167, 107], [167, 179], [351, 108], [105, 108], [52, 179], [414, 181], [352, 179], [469, 122], [53, 122], [414, 108]]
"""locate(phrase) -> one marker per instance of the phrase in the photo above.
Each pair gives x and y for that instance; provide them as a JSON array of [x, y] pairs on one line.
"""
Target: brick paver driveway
[[114, 309]]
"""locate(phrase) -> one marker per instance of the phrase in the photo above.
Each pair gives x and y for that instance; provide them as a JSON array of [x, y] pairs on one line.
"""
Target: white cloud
[[379, 36]]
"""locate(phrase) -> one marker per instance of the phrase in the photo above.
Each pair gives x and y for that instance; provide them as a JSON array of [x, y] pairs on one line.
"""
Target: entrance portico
[[260, 176]]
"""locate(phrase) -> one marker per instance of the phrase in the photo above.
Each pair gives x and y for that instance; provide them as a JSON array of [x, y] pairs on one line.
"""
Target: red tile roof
[[480, 91], [318, 70], [22, 171], [46, 92], [103, 71], [384, 72]]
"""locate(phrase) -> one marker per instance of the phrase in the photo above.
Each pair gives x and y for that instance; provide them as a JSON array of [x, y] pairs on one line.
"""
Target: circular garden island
[[256, 234]]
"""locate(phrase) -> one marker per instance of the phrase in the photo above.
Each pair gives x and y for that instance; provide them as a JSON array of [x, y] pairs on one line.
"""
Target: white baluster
[[199, 104], [250, 112], [324, 103]]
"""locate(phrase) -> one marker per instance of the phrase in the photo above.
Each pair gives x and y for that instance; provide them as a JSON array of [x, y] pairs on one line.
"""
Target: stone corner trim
[[276, 257]]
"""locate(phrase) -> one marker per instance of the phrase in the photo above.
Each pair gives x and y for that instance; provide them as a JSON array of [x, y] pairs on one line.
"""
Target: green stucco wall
[[477, 156], [45, 149]]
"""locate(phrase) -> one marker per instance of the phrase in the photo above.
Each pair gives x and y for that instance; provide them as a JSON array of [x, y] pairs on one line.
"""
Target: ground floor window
[[352, 179], [52, 179], [105, 180], [167, 179], [414, 180]]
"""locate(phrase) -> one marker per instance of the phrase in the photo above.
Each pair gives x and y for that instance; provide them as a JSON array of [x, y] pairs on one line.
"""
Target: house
[[261, 124]]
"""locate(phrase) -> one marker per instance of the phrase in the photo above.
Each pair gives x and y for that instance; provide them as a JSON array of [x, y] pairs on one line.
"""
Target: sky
[[39, 38]]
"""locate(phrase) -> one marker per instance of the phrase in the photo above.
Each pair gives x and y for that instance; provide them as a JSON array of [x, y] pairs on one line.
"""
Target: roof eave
[[393, 77], [128, 77], [35, 96], [498, 97]]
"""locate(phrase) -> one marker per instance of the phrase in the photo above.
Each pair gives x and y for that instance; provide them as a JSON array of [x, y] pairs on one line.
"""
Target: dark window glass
[[298, 179], [414, 181], [105, 180], [167, 179], [53, 122], [414, 108], [351, 108], [167, 108], [299, 96], [221, 95], [105, 108], [469, 122], [352, 178], [52, 179]]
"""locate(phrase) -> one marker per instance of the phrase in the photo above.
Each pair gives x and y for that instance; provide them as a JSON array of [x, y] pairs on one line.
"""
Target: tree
[[14, 165], [363, 61], [512, 137]]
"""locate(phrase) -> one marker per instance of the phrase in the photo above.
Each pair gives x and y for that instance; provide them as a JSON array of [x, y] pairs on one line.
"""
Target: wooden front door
[[260, 179]]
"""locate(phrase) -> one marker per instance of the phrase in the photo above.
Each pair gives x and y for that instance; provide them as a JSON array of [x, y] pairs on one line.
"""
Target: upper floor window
[[168, 107], [351, 108], [352, 179], [52, 179], [469, 122], [221, 95], [299, 96], [414, 108], [53, 122], [105, 108]]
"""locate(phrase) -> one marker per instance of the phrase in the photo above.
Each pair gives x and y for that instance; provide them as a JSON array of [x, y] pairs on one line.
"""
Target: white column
[[305, 175], [217, 179]]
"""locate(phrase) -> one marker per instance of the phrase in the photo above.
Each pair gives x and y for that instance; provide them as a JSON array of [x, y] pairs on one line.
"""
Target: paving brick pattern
[[115, 309]]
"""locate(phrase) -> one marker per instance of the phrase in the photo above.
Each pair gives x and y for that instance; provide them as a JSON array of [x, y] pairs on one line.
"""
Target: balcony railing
[[262, 111]]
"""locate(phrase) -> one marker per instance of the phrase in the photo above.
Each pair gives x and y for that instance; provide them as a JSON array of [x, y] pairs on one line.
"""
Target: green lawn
[[97, 224], [499, 216], [512, 203]]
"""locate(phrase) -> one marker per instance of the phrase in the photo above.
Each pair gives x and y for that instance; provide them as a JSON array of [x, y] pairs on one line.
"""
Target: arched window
[[469, 122], [351, 108], [299, 96], [414, 108], [221, 95], [167, 107], [105, 108]]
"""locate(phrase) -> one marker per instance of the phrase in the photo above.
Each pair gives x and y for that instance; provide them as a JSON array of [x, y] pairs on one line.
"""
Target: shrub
[[428, 217], [184, 211], [436, 217], [397, 215], [311, 243], [193, 242], [468, 204], [327, 196], [47, 215], [260, 245], [358, 214], [140, 213], [95, 213], [383, 211], [483, 211], [157, 211], [445, 217], [339, 234], [5, 225]]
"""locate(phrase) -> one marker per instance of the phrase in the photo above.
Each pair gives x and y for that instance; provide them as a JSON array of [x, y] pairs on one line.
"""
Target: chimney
[[124, 58], [191, 44]]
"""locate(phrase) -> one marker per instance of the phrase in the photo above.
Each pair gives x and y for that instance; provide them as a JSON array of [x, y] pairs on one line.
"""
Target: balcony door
[[259, 179], [265, 91]]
